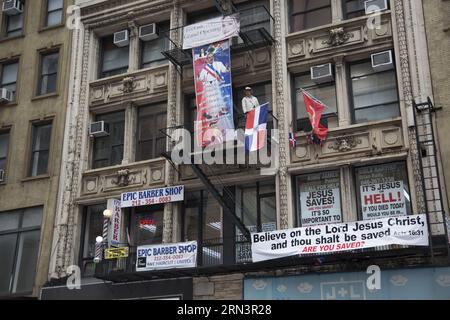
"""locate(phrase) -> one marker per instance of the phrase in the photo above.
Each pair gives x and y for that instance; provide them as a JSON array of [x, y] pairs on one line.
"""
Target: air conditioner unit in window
[[12, 7], [148, 32], [121, 38], [322, 73], [382, 61], [373, 6], [2, 175], [99, 129], [6, 95]]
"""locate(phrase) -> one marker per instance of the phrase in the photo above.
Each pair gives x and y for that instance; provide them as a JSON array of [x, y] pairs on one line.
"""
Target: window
[[4, 145], [354, 8], [306, 14], [14, 23], [40, 150], [374, 94], [114, 60], [108, 150], [9, 76], [203, 221], [54, 13], [253, 15], [93, 227], [19, 245], [151, 141], [49, 73], [383, 191], [325, 92], [147, 224], [263, 92], [151, 50], [318, 198]]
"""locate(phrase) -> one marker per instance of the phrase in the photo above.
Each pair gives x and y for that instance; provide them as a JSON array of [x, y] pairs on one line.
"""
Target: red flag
[[315, 108]]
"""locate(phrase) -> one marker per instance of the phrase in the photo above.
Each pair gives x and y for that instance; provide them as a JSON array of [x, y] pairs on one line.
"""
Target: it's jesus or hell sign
[[382, 200]]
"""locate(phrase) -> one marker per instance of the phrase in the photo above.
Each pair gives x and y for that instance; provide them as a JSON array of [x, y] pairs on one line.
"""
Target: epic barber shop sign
[[152, 196]]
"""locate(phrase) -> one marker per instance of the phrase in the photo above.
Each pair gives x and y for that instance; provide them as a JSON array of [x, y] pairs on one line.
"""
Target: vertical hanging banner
[[214, 94], [115, 223]]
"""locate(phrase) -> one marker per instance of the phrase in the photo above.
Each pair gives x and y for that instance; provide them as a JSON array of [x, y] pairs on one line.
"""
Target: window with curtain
[[8, 78], [383, 191], [114, 60], [40, 149], [151, 50], [374, 94], [325, 92], [48, 73], [151, 142], [108, 150], [54, 13], [20, 232], [4, 146], [307, 14]]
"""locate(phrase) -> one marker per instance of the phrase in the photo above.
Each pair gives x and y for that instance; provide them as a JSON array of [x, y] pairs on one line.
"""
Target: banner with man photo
[[214, 94]]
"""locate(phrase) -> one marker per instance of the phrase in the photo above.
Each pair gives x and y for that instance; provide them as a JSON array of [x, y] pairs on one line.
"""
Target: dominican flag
[[256, 127], [292, 140]]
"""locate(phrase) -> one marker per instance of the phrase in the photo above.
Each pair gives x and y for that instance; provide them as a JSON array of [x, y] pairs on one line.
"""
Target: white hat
[[248, 88]]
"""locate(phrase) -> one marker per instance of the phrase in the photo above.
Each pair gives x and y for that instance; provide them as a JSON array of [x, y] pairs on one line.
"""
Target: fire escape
[[428, 158], [256, 25]]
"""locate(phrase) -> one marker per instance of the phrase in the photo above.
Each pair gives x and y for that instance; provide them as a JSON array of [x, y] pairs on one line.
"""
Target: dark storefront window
[[383, 191], [93, 227], [203, 222], [108, 150], [20, 233], [151, 140], [325, 92], [147, 225], [307, 14]]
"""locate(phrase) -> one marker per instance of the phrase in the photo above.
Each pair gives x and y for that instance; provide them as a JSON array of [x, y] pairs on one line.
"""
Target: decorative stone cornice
[[337, 36]]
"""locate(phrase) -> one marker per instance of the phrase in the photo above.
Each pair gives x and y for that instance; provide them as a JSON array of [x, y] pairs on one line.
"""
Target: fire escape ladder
[[221, 199], [428, 157]]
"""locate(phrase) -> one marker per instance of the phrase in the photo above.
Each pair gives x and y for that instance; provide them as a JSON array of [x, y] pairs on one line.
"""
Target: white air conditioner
[[148, 32], [6, 95], [322, 73], [12, 7], [382, 61], [99, 129], [121, 38], [2, 175], [373, 6]]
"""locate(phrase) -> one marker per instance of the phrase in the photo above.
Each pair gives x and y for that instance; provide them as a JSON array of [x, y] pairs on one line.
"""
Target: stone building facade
[[35, 49], [142, 95]]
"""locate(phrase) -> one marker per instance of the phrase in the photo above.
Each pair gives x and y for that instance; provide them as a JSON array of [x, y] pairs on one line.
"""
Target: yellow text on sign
[[115, 253]]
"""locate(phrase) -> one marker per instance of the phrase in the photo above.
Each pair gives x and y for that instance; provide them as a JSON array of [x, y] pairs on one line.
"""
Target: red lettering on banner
[[381, 198]]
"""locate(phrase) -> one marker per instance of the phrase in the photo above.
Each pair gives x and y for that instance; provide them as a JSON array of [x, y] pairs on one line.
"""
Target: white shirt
[[249, 103], [212, 79]]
